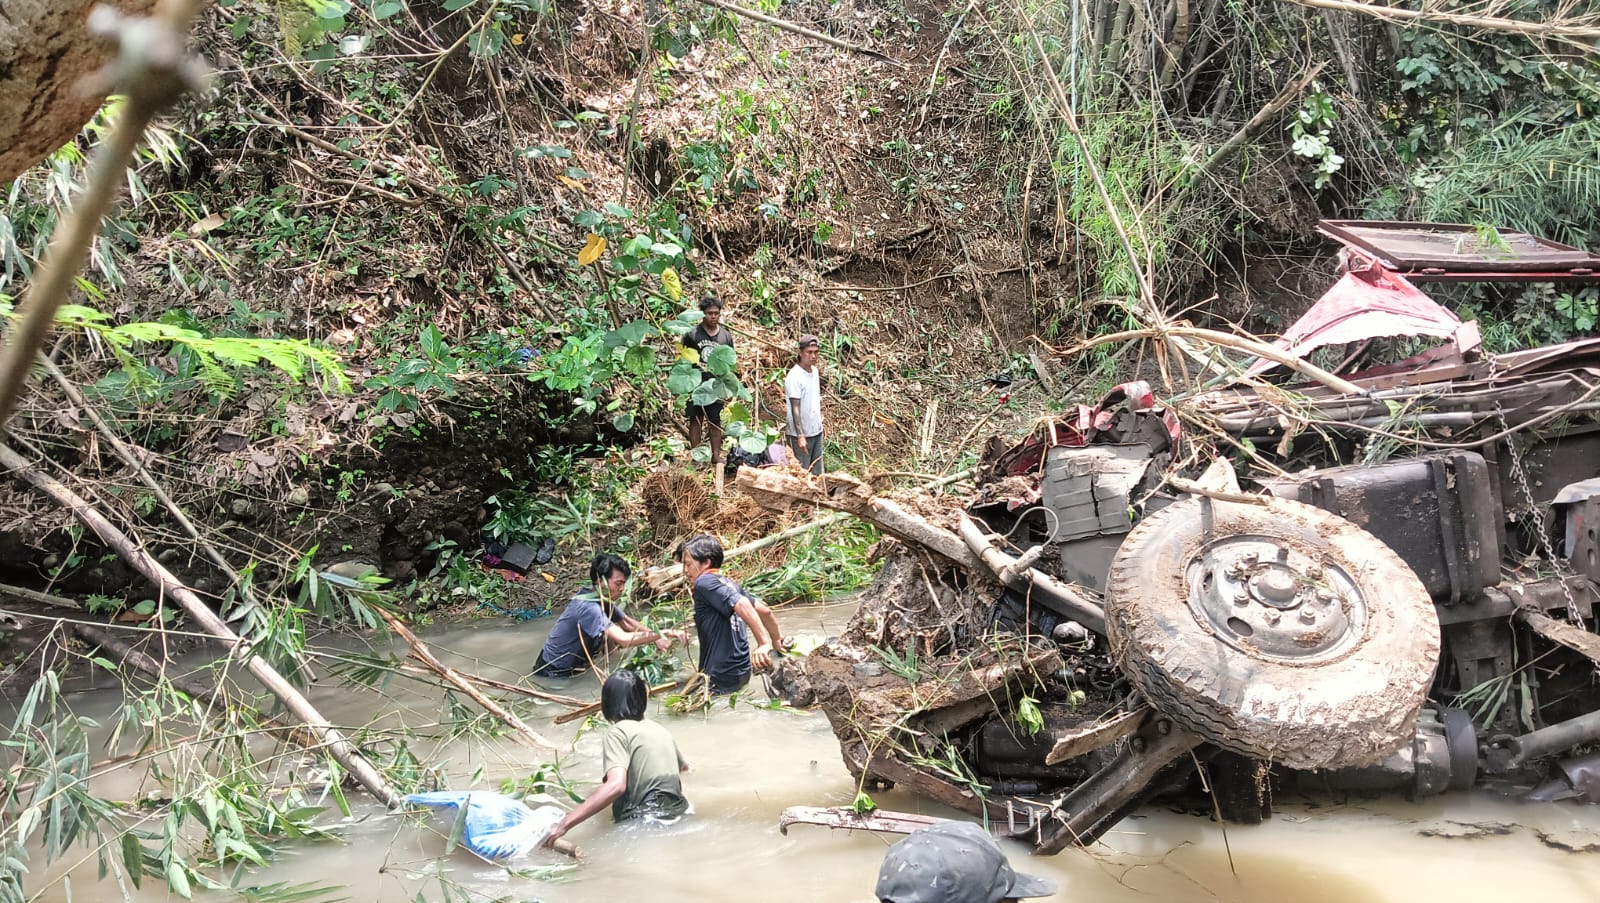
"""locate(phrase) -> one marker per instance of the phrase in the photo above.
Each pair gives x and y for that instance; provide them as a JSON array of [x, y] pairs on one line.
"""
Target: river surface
[[748, 764]]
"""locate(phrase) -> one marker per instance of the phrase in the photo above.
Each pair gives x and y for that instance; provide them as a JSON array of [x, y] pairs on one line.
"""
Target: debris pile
[[1097, 625]]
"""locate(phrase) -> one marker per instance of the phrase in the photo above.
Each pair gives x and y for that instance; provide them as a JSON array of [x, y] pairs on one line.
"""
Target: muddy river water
[[749, 764]]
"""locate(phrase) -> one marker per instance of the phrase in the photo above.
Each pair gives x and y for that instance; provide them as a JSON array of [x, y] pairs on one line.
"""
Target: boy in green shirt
[[640, 761]]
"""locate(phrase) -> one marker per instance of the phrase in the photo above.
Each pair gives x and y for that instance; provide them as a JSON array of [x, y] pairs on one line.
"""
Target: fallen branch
[[132, 657], [1275, 106], [341, 749], [1221, 495], [1015, 573], [500, 685], [845, 493], [593, 707], [662, 579], [1554, 28], [841, 492], [933, 79], [1238, 343], [802, 31], [527, 735], [358, 186], [33, 595]]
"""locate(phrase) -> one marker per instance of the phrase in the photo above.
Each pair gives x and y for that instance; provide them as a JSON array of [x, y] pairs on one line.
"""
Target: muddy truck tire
[[1278, 631]]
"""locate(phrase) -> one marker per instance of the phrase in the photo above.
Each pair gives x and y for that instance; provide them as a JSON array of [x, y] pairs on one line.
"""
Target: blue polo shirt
[[578, 637]]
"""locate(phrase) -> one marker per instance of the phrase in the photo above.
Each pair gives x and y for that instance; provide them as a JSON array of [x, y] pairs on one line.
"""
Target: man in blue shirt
[[592, 621], [724, 616]]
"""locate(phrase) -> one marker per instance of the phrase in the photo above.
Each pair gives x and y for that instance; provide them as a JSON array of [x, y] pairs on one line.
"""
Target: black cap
[[953, 862], [809, 341]]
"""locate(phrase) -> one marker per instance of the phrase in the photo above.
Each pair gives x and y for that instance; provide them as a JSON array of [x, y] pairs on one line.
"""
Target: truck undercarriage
[[1399, 596]]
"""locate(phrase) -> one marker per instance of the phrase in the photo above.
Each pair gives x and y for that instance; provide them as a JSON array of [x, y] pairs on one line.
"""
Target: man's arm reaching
[[615, 784]]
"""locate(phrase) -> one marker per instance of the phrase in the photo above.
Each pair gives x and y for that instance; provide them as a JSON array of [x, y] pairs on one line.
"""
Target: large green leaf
[[629, 334], [640, 359], [710, 391], [720, 360], [433, 342], [132, 857], [684, 378]]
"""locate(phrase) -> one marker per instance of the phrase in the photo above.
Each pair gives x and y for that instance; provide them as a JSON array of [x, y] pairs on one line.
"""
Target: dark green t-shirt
[[653, 762]]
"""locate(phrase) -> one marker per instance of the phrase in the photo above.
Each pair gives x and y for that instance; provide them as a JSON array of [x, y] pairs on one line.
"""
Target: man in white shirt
[[803, 388]]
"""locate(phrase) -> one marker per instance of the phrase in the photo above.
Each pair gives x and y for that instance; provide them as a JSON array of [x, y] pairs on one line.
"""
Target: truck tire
[[1278, 631]]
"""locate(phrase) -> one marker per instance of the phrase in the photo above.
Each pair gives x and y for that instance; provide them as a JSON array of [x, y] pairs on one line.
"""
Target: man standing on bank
[[594, 620], [707, 419], [803, 388], [725, 615]]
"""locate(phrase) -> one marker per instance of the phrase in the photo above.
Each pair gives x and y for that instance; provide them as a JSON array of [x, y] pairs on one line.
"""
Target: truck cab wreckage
[[1401, 598]]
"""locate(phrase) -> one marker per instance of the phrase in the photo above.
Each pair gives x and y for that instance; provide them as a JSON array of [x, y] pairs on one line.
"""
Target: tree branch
[[240, 649]]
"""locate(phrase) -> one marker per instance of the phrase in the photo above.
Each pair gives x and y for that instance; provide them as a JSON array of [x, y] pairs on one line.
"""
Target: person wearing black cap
[[707, 419], [954, 862], [803, 388]]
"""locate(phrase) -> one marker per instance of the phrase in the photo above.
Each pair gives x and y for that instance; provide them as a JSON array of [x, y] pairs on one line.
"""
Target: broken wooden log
[[785, 25], [775, 489], [527, 735], [139, 661], [33, 595], [1575, 638], [1052, 593], [880, 821], [1073, 744], [778, 489], [340, 748], [662, 579]]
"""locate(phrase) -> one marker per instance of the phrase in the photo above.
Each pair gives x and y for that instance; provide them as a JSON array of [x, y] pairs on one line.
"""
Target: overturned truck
[[1401, 596]]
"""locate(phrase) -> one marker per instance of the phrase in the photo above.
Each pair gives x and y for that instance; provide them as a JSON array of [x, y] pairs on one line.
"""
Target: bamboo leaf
[[178, 879]]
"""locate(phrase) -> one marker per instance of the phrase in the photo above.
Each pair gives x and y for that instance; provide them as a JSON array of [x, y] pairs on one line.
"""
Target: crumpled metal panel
[[1089, 490], [1370, 304]]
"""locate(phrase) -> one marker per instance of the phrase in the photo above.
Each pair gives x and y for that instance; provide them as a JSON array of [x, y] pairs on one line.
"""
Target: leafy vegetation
[[398, 199]]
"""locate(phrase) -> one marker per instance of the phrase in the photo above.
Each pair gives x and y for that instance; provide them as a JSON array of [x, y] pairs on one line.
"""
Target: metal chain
[[1520, 473]]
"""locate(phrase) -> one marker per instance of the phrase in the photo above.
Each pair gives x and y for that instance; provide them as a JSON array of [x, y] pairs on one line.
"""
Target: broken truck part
[[1401, 599]]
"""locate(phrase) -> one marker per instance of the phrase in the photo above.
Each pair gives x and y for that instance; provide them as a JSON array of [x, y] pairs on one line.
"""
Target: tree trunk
[[46, 59]]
